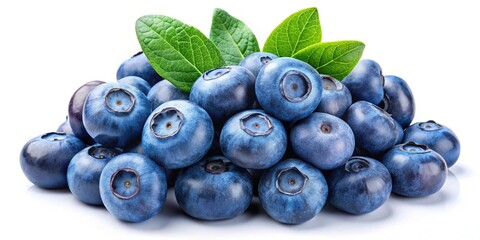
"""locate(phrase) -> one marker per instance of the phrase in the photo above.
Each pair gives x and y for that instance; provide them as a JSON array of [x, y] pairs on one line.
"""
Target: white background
[[49, 48]]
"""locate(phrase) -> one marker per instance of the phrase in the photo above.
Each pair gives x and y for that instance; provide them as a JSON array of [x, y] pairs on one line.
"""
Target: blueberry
[[438, 137], [177, 134], [375, 131], [360, 186], [292, 191], [214, 189], [253, 139], [365, 82], [163, 92], [400, 133], [137, 82], [416, 170], [223, 92], [83, 174], [65, 127], [398, 100], [336, 98], [323, 140], [138, 65], [288, 89], [75, 110], [114, 114], [45, 158], [132, 187], [255, 61]]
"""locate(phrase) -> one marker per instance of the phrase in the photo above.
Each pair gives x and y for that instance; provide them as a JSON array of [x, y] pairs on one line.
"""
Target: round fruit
[[138, 65], [365, 82], [253, 139], [288, 89], [323, 140], [83, 174], [398, 100], [292, 191], [336, 97], [114, 114], [177, 134], [163, 92], [132, 187], [360, 186], [375, 131], [214, 189], [44, 159], [75, 110], [416, 170], [438, 137], [223, 92], [255, 61]]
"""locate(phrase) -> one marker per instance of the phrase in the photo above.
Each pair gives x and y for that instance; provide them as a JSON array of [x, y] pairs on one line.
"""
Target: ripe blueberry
[[288, 89], [253, 139], [45, 158], [438, 137], [177, 134]]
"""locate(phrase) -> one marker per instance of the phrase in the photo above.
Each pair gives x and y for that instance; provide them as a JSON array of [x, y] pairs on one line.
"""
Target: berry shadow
[[64, 196], [37, 190], [330, 214]]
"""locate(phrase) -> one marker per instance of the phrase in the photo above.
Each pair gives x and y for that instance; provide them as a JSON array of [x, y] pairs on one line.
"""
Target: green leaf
[[232, 37], [336, 59], [178, 52], [297, 32]]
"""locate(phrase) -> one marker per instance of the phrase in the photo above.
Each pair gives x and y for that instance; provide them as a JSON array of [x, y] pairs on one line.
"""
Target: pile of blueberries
[[271, 127]]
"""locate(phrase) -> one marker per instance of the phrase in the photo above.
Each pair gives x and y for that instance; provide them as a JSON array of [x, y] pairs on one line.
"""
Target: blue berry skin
[[65, 127], [223, 92], [365, 82], [75, 111], [253, 139], [132, 187], [255, 61], [83, 174], [177, 134], [45, 158], [288, 89], [114, 114], [163, 92], [336, 97], [323, 140], [138, 65], [416, 170], [137, 82], [214, 189], [292, 191], [400, 133], [375, 131], [362, 185], [438, 137], [398, 100]]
